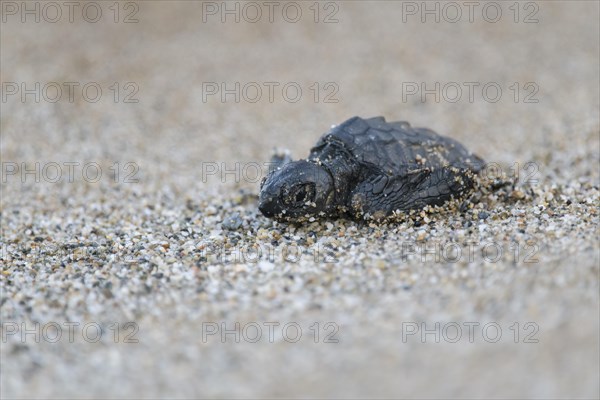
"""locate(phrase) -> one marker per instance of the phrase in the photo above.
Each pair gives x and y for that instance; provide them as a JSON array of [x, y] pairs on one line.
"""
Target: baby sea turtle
[[369, 168]]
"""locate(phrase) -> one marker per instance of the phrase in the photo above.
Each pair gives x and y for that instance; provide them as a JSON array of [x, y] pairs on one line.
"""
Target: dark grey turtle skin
[[369, 168]]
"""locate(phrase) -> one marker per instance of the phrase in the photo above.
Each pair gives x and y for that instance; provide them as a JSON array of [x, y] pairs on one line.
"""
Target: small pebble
[[232, 222]]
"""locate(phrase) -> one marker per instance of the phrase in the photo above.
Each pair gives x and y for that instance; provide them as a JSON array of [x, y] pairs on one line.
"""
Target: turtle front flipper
[[381, 195], [279, 157]]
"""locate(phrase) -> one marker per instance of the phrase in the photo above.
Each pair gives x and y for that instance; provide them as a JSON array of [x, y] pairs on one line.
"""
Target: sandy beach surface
[[135, 262]]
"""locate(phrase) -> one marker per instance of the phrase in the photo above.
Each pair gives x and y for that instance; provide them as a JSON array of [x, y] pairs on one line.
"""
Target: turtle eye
[[303, 194], [297, 196], [300, 195]]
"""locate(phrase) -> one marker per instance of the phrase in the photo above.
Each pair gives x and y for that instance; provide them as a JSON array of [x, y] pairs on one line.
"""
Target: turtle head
[[298, 189]]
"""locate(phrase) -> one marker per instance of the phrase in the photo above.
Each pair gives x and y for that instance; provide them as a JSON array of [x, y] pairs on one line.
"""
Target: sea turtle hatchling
[[369, 168]]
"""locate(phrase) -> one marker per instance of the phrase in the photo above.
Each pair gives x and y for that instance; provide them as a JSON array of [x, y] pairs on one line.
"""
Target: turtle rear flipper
[[381, 195]]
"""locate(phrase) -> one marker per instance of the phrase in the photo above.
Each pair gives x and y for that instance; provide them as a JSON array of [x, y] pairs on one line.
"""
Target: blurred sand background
[[66, 246]]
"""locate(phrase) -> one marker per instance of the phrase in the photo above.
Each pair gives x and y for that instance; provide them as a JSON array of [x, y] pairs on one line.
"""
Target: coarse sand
[[135, 262]]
